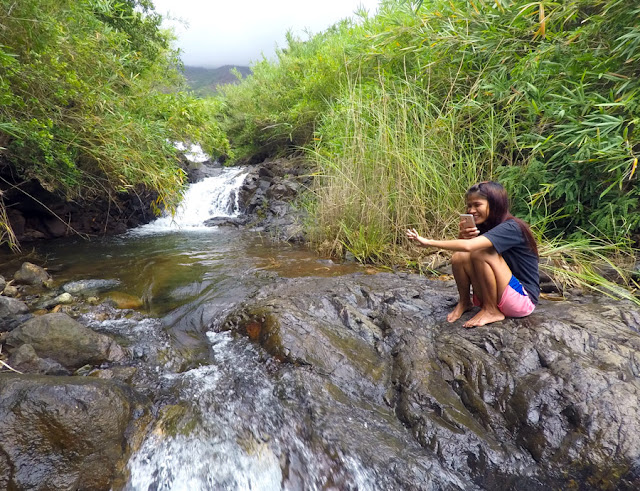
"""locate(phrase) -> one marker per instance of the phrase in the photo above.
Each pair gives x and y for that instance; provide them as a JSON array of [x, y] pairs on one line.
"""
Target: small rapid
[[234, 426], [225, 421], [215, 196]]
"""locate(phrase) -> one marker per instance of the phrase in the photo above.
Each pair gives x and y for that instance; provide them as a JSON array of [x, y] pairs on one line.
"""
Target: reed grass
[[390, 158], [591, 263], [404, 110]]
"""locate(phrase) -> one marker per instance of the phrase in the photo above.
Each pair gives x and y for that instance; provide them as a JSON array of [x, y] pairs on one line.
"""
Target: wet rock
[[542, 402], [267, 197], [124, 300], [283, 190], [67, 432], [63, 299], [197, 171], [13, 312], [227, 221], [90, 287], [3, 283], [26, 360], [10, 291], [11, 307], [59, 337], [33, 275], [343, 379], [123, 374]]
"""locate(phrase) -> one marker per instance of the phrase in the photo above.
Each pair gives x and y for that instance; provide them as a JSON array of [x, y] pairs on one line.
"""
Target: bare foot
[[459, 309], [484, 317]]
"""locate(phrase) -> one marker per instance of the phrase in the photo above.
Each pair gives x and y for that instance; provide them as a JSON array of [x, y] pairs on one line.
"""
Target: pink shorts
[[512, 303]]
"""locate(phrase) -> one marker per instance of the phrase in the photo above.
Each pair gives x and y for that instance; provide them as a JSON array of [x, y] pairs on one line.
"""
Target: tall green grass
[[420, 101], [392, 158]]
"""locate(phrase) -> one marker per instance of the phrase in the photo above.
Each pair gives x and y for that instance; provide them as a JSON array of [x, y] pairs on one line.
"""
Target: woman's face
[[478, 207]]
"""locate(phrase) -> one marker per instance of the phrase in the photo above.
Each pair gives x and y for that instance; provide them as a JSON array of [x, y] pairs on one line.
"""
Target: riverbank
[[363, 367], [355, 378]]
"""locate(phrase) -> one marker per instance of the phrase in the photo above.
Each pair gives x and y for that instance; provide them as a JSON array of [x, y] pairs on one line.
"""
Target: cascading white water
[[218, 453], [193, 153], [215, 196], [239, 436]]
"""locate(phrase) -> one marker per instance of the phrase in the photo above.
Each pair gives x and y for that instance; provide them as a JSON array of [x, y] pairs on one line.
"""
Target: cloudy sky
[[235, 32]]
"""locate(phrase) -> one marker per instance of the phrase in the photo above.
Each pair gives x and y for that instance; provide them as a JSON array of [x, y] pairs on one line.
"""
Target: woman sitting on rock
[[498, 257]]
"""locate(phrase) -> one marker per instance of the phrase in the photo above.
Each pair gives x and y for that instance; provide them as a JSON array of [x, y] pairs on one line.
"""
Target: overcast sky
[[235, 32]]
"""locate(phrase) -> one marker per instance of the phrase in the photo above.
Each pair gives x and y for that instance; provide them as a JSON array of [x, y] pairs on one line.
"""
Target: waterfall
[[215, 196], [193, 153]]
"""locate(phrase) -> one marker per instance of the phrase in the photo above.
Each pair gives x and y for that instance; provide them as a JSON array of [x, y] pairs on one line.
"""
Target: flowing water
[[225, 420]]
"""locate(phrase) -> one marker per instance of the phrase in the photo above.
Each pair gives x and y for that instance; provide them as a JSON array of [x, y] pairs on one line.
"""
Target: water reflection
[[169, 269]]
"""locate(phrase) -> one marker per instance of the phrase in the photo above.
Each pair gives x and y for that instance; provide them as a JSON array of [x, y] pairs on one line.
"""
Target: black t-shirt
[[509, 241]]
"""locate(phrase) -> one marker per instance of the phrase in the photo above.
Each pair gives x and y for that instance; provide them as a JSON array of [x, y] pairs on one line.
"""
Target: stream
[[257, 365], [225, 422]]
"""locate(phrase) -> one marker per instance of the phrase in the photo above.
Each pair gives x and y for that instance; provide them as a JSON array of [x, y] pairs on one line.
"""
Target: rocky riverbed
[[373, 370], [362, 383]]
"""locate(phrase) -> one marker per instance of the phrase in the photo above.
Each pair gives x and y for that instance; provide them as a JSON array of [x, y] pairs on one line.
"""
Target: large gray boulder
[[60, 338], [542, 402], [67, 433]]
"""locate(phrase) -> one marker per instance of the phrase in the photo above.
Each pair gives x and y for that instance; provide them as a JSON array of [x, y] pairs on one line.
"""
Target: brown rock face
[[35, 213], [60, 338], [66, 432]]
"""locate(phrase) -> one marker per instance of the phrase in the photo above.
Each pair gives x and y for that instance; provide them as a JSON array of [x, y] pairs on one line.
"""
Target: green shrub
[[542, 96], [89, 100]]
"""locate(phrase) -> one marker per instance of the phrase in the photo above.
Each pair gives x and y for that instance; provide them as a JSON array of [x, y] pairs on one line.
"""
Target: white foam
[[212, 197], [194, 153]]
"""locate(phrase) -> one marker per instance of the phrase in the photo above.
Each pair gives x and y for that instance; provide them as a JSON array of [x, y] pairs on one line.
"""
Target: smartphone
[[468, 220]]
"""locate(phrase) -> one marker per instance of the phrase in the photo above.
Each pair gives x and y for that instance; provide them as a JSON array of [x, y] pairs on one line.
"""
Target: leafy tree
[[88, 100]]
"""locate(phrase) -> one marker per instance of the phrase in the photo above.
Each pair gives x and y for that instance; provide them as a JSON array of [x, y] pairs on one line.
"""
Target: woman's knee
[[460, 258], [483, 255]]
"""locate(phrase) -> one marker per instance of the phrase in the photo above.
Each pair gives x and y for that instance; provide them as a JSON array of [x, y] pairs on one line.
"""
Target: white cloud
[[221, 32]]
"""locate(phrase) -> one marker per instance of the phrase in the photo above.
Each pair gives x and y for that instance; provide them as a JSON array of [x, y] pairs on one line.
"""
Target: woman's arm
[[463, 245]]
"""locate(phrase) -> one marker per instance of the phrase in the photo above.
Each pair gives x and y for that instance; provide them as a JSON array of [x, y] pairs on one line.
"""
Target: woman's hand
[[412, 234], [467, 232]]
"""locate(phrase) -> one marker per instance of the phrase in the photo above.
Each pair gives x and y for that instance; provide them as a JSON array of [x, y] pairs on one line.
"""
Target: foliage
[[397, 161], [277, 106], [87, 98], [404, 109]]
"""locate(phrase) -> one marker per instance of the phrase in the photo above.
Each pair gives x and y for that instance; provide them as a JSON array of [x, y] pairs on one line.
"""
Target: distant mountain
[[205, 81]]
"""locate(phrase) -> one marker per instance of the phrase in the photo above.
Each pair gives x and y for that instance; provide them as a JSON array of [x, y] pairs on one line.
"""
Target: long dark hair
[[496, 196]]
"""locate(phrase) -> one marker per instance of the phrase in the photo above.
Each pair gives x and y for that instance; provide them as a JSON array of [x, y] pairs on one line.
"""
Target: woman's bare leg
[[492, 275], [465, 277]]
